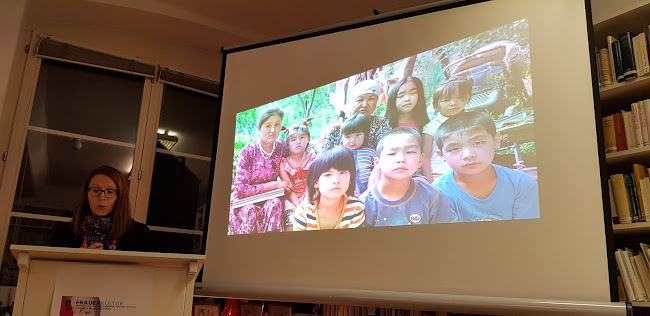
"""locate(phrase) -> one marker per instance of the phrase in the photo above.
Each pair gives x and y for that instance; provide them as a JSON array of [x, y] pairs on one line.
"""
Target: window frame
[[144, 148]]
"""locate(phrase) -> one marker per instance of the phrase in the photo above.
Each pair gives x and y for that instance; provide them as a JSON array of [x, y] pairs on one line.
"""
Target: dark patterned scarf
[[97, 229]]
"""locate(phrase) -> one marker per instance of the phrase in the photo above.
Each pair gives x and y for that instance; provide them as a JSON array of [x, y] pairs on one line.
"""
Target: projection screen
[[530, 72]]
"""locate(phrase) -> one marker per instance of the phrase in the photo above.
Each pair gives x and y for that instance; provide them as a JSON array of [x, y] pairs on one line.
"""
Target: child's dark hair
[[420, 109], [302, 127], [339, 158], [464, 122], [454, 86], [357, 123], [399, 131]]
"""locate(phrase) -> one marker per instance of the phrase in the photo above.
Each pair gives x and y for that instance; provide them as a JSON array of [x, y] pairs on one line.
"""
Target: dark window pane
[[179, 190], [54, 169], [190, 118], [176, 243], [88, 101], [23, 231]]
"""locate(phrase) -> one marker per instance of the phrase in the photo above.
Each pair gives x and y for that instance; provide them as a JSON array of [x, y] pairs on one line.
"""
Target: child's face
[[407, 97], [353, 140], [400, 158], [298, 143], [470, 153], [452, 104], [333, 183]]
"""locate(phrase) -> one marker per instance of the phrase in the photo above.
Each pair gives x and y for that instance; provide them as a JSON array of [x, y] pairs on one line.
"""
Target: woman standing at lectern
[[103, 218]]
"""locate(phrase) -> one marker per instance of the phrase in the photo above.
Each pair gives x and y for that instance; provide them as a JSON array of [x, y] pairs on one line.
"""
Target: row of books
[[628, 129], [634, 274], [629, 196], [624, 58]]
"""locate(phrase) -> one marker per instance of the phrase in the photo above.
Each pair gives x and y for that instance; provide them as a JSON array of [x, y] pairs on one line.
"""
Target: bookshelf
[[613, 99]]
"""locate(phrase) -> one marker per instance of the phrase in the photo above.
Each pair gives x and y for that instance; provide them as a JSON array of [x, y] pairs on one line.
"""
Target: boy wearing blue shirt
[[477, 189], [397, 199]]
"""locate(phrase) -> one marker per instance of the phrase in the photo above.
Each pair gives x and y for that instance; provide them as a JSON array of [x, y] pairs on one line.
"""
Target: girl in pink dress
[[295, 165], [406, 105]]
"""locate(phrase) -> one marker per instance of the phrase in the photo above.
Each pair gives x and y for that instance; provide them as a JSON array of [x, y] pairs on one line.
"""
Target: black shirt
[[136, 239]]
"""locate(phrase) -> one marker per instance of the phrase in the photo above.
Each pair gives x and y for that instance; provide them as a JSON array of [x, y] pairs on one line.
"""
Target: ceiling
[[212, 24]]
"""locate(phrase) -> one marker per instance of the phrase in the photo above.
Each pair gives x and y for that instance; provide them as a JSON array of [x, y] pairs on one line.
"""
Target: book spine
[[646, 254], [634, 278], [645, 198], [612, 203], [634, 199], [640, 172], [645, 107], [643, 55], [614, 66], [621, 199], [619, 132], [644, 123], [631, 195], [643, 272], [627, 282], [622, 297], [646, 38], [637, 57], [630, 136], [639, 277], [638, 134], [609, 134], [627, 56], [618, 62], [604, 72]]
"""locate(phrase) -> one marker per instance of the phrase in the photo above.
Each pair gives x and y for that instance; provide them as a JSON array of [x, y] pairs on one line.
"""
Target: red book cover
[[619, 131]]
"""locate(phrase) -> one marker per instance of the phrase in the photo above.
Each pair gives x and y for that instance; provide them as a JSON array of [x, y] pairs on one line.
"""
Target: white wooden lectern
[[172, 287]]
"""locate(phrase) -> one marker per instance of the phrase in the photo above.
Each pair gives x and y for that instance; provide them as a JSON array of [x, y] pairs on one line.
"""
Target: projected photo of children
[[439, 137]]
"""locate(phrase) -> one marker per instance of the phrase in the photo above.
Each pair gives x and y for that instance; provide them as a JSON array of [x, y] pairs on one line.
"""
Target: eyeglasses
[[109, 193]]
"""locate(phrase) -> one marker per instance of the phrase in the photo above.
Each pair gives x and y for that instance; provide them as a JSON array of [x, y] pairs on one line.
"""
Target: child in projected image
[[295, 165], [354, 135], [450, 99], [477, 189], [406, 106], [397, 199], [330, 204]]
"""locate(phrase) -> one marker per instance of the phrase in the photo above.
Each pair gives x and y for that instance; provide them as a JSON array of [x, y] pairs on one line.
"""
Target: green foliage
[[429, 66], [525, 148]]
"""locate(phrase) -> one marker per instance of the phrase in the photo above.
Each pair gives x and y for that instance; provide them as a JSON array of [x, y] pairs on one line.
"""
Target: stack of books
[[629, 196], [624, 58], [628, 129], [634, 274]]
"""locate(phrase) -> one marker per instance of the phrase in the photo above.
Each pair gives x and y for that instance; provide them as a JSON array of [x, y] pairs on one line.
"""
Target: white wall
[[11, 19], [602, 10]]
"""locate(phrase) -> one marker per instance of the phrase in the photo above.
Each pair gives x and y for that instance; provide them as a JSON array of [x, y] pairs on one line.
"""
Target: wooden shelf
[[634, 228], [618, 96], [626, 92], [630, 156]]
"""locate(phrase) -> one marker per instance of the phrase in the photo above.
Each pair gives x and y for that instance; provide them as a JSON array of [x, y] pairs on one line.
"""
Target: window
[[81, 117]]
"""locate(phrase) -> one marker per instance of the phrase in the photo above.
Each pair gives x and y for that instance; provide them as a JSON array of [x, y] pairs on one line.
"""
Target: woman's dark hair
[[339, 158], [357, 123], [460, 86], [420, 109], [121, 215], [268, 112]]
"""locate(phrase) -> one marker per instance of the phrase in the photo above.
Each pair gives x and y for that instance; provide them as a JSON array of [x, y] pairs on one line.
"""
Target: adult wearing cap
[[363, 99]]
